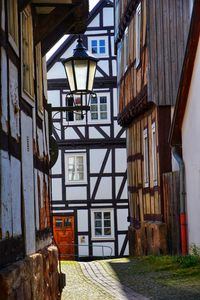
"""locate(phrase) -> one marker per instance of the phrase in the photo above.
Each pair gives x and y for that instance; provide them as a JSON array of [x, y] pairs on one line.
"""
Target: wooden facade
[[25, 227], [150, 45], [99, 140]]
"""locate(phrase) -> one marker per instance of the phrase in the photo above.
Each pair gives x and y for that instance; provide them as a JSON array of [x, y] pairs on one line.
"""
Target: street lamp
[[80, 70]]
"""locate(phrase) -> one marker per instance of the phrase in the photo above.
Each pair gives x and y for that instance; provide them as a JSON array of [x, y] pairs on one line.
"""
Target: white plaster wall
[[57, 71], [27, 181], [57, 167], [103, 64], [69, 52], [56, 189], [15, 185], [97, 249], [118, 181], [120, 160], [105, 189], [121, 238], [94, 22], [96, 160], [83, 249], [82, 219], [76, 193], [191, 153], [122, 215], [54, 97], [108, 16]]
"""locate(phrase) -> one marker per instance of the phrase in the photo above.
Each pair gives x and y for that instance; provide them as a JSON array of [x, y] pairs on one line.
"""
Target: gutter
[[183, 213]]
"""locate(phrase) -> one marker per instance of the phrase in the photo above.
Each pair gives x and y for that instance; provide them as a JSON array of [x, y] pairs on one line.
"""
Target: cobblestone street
[[94, 280]]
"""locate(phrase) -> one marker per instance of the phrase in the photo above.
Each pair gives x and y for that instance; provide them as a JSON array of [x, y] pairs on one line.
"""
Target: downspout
[[183, 219]]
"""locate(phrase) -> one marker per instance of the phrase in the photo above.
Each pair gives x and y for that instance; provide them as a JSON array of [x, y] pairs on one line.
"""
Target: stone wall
[[34, 278], [149, 239]]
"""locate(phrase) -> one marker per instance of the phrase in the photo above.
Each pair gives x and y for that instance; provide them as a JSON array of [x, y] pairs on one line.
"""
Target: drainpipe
[[183, 219]]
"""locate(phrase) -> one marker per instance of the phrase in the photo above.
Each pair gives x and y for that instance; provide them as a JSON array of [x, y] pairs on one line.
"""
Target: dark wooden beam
[[48, 23], [23, 4], [75, 22]]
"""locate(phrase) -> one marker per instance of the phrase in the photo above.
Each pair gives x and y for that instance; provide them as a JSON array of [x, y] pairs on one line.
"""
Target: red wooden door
[[63, 231]]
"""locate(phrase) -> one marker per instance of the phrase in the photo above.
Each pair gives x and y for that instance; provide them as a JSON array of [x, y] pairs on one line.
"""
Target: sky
[[92, 3]]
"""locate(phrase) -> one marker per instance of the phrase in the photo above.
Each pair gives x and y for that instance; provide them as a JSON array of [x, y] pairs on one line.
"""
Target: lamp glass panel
[[70, 75], [81, 69], [92, 69]]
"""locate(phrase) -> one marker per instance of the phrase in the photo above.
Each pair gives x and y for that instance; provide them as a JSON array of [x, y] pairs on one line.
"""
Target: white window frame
[[98, 38], [126, 49], [154, 154], [146, 157], [73, 154], [100, 121], [102, 237], [137, 34]]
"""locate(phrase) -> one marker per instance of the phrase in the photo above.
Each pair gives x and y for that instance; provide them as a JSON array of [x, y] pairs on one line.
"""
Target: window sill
[[111, 238]]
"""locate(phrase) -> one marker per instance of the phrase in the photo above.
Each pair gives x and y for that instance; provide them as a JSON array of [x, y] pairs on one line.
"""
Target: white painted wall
[[121, 238], [108, 16], [27, 181], [191, 153], [97, 249], [57, 71], [57, 189], [82, 220]]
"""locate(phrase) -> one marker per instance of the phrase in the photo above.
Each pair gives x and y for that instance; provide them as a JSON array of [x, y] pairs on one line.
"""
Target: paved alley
[[94, 280]]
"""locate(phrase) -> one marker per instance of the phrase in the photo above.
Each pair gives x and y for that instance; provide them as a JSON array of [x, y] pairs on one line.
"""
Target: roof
[[57, 54], [186, 76]]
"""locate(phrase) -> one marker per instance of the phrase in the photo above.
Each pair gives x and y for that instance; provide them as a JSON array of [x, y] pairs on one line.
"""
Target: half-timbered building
[[28, 29], [89, 178], [150, 39]]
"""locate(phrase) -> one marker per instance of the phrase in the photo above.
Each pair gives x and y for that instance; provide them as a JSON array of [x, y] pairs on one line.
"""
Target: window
[[27, 55], [146, 158], [99, 108], [137, 34], [13, 22], [154, 154], [75, 168], [102, 224], [98, 46]]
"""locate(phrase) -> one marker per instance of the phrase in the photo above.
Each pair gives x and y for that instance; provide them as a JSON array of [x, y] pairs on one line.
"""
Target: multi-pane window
[[146, 158], [75, 168], [27, 51], [99, 108], [137, 34], [154, 154], [102, 224], [13, 20], [98, 46]]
